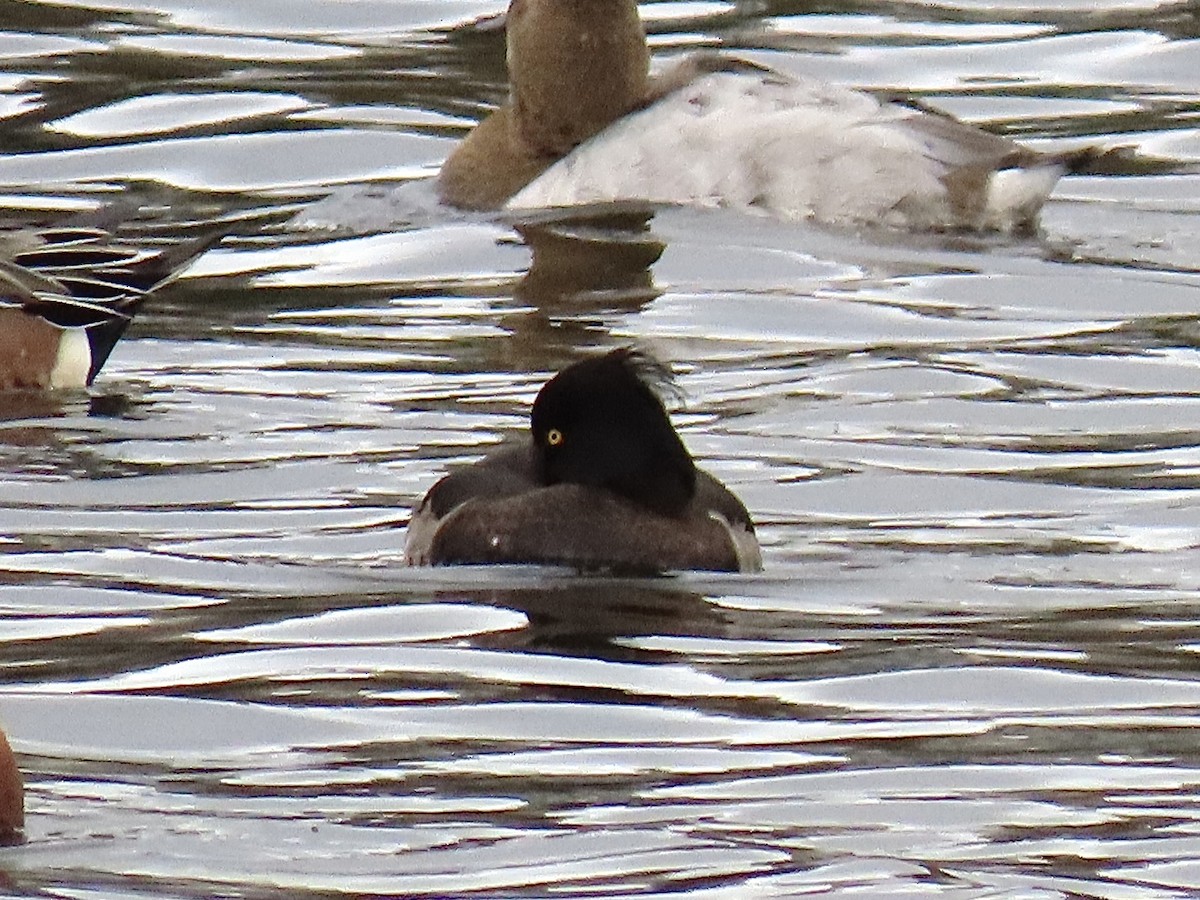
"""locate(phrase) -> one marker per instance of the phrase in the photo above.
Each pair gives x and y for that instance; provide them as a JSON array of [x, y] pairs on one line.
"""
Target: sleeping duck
[[585, 122], [601, 481]]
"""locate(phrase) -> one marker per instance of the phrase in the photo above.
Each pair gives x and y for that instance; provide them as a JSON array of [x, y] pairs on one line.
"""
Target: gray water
[[969, 669]]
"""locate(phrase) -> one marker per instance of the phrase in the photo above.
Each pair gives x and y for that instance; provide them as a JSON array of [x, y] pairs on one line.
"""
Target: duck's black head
[[601, 423]]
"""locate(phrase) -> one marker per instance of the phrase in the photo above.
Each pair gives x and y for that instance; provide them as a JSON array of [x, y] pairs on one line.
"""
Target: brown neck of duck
[[574, 67]]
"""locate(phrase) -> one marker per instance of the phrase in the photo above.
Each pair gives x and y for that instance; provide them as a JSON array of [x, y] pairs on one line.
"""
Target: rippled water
[[969, 669]]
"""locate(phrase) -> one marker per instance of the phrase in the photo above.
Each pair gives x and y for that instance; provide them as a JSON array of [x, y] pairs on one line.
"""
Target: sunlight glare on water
[[969, 668]]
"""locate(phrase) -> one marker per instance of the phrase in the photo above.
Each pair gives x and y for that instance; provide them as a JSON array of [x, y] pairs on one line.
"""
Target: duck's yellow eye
[[554, 437]]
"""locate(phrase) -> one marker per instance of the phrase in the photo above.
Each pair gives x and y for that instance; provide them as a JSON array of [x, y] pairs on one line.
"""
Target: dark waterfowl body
[[66, 297], [602, 481]]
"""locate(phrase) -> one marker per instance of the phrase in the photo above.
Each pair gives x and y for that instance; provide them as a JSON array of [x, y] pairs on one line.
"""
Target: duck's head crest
[[601, 423]]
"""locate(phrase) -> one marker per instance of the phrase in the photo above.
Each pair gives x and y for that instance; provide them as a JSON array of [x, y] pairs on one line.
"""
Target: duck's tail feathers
[[102, 338], [1093, 160], [91, 279]]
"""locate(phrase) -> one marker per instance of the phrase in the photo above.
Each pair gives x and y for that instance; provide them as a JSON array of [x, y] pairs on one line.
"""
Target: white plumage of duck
[[586, 122]]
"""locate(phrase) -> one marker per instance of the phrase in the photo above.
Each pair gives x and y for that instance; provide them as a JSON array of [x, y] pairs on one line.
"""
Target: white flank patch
[[74, 360], [745, 544], [1015, 195], [418, 542]]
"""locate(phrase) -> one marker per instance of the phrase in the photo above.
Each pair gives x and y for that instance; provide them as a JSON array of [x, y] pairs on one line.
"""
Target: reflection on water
[[969, 668]]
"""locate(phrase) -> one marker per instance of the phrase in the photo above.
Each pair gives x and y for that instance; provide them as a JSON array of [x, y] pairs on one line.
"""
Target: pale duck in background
[[586, 123]]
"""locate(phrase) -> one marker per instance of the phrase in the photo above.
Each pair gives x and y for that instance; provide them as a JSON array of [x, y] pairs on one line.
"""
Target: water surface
[[969, 669]]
